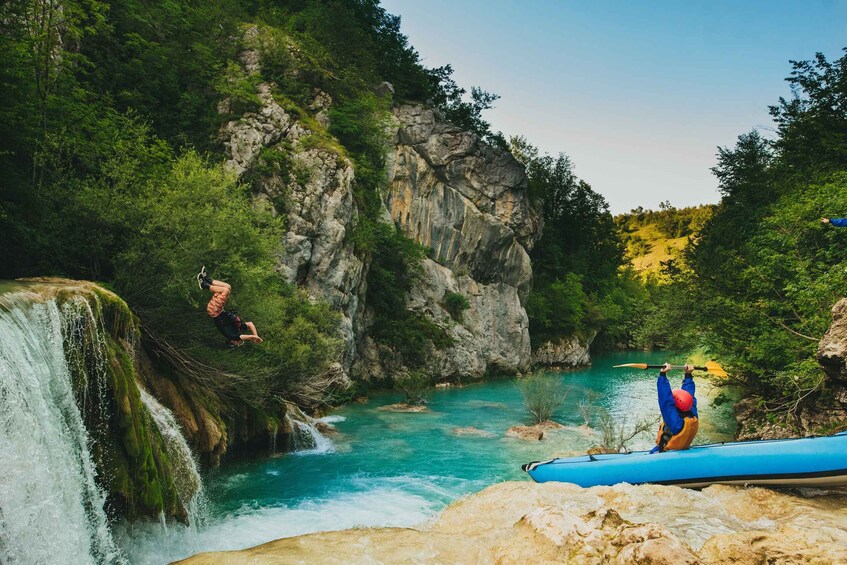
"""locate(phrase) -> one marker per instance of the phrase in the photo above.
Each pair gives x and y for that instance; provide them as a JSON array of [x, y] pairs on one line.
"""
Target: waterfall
[[306, 437], [54, 386], [51, 509], [187, 479], [274, 434]]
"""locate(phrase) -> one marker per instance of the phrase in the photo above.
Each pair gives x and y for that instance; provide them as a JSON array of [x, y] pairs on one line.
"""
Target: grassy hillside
[[656, 237]]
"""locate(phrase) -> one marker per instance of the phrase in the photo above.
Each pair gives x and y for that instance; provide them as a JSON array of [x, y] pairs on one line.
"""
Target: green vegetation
[[657, 238], [456, 303], [542, 394], [395, 265], [764, 272], [415, 387], [110, 156], [617, 434], [578, 287], [129, 452]]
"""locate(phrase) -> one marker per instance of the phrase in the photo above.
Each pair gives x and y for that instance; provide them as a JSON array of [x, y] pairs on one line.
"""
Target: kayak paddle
[[711, 367]]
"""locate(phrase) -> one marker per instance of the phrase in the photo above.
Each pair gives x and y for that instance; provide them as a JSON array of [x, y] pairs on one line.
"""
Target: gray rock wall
[[318, 201], [565, 352], [446, 189], [468, 203]]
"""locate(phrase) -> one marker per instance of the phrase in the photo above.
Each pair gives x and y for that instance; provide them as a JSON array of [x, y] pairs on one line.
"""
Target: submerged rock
[[404, 407], [472, 431], [519, 522]]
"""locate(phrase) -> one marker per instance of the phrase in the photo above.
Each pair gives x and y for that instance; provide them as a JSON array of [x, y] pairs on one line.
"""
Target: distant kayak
[[814, 461]]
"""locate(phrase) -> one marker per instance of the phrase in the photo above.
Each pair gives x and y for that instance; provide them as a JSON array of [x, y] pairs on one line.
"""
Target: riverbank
[[395, 469], [523, 522]]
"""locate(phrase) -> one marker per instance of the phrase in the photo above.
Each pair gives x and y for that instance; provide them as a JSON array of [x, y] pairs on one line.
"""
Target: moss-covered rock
[[100, 341]]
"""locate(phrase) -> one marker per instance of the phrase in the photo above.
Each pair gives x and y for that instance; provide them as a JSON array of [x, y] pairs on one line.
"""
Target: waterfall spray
[[187, 479], [305, 434], [68, 398], [52, 508]]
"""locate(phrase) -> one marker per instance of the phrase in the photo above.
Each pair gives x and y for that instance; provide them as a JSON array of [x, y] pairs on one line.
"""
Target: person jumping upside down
[[236, 330]]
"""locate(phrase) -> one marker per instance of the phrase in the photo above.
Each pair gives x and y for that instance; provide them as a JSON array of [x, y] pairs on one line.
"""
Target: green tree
[[576, 287], [812, 124]]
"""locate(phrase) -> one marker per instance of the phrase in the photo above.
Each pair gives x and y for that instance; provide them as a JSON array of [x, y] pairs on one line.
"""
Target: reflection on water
[[399, 469]]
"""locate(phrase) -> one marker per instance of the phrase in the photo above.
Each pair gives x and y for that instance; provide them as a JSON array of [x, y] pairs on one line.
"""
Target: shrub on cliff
[[415, 387], [456, 303]]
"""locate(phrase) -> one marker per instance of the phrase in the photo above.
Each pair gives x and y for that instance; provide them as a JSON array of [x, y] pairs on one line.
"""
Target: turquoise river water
[[400, 469]]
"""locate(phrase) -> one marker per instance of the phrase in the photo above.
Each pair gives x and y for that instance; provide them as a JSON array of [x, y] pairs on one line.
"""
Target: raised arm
[[837, 222], [688, 386], [667, 407]]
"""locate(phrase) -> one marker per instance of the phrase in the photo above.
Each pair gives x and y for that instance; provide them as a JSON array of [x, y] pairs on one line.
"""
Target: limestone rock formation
[[832, 350], [563, 353], [315, 193], [467, 202], [446, 189], [521, 522], [462, 198]]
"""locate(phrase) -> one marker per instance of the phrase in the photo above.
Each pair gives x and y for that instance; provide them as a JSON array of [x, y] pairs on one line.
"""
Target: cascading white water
[[306, 437], [51, 509], [274, 434], [189, 485]]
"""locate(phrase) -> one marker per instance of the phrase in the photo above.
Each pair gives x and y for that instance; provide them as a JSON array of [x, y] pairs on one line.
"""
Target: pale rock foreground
[[521, 522]]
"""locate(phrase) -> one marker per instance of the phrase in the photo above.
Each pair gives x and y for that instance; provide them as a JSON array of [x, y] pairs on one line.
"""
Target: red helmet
[[683, 400]]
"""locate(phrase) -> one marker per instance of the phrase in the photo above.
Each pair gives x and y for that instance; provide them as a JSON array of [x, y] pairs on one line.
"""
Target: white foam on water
[[306, 437], [309, 441], [403, 501], [189, 485], [332, 419]]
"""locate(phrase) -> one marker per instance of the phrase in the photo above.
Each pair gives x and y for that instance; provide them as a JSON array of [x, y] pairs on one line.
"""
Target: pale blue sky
[[638, 94]]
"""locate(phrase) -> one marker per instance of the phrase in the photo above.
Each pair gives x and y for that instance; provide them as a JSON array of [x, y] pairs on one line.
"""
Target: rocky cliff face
[[446, 189], [832, 353], [309, 179], [562, 523], [467, 203], [563, 353]]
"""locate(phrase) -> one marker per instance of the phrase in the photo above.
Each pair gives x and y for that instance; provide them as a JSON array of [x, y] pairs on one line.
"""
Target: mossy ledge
[[100, 342]]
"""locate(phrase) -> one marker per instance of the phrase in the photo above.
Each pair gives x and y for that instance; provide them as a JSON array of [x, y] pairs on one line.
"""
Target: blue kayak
[[814, 461]]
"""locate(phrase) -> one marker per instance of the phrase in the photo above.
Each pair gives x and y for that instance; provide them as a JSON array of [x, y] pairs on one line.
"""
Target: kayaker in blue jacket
[[837, 222], [679, 411]]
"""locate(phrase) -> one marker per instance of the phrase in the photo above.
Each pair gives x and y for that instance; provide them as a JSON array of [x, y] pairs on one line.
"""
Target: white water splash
[[306, 437], [189, 485], [51, 509], [403, 501], [332, 419]]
